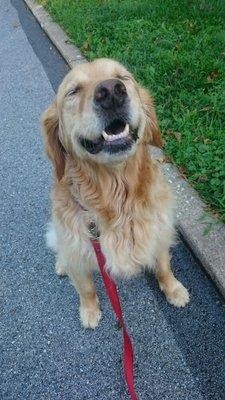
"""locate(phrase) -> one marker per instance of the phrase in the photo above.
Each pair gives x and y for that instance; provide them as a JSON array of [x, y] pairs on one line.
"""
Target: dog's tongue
[[117, 126]]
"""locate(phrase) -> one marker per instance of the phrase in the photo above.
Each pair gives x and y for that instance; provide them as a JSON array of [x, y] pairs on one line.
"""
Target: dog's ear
[[53, 146], [152, 133]]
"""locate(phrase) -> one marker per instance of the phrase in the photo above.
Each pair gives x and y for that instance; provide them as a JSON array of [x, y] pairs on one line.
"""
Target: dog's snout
[[110, 94]]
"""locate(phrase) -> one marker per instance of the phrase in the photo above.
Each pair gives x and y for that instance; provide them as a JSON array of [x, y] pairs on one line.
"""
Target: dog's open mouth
[[116, 137], [116, 130]]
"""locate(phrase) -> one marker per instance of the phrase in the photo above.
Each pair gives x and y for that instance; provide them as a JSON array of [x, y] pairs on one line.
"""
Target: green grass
[[177, 50]]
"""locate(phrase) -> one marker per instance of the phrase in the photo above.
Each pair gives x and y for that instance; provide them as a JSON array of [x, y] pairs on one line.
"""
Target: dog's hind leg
[[176, 294], [52, 243], [60, 268]]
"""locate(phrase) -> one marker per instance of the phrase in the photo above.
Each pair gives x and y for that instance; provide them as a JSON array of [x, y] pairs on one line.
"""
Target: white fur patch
[[51, 238]]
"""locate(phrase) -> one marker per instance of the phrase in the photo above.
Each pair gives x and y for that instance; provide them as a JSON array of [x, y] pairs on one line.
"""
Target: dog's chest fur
[[132, 209]]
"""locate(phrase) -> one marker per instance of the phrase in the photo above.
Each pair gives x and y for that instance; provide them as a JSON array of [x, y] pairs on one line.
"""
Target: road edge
[[192, 219], [59, 38]]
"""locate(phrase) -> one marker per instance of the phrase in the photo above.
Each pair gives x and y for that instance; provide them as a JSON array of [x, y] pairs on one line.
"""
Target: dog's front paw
[[90, 317], [178, 296]]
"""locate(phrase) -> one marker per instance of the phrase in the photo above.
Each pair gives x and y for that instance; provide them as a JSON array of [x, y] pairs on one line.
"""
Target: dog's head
[[100, 113]]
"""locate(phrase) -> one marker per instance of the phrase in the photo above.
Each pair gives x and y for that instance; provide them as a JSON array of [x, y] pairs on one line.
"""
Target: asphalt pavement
[[45, 354]]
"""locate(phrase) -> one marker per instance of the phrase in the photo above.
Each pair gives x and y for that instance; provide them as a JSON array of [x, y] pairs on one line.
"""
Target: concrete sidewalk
[[45, 352]]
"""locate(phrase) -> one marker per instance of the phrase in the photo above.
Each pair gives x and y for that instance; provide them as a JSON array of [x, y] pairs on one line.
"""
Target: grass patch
[[177, 50]]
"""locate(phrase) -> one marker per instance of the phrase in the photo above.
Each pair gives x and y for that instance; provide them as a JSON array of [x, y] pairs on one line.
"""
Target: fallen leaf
[[215, 214], [202, 178], [161, 160], [213, 75], [177, 136], [183, 170], [86, 46], [207, 141], [167, 159], [206, 108]]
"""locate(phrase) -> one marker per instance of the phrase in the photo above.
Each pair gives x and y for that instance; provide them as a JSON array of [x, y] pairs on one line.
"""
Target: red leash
[[111, 290]]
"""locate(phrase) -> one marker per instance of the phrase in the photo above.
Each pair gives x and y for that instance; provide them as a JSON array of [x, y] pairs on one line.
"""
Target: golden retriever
[[97, 133]]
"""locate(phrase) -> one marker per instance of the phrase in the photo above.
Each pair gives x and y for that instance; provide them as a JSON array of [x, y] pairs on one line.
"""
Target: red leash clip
[[111, 290]]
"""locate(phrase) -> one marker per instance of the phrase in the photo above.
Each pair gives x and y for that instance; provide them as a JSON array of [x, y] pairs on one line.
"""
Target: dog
[[97, 134]]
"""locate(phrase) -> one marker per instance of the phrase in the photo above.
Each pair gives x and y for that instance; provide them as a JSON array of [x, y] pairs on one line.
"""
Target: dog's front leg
[[90, 313], [176, 294]]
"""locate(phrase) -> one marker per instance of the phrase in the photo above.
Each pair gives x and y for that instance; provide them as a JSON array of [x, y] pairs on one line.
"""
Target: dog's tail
[[51, 238]]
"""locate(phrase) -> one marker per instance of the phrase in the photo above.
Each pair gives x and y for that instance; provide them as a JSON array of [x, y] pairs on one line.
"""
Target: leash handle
[[111, 290]]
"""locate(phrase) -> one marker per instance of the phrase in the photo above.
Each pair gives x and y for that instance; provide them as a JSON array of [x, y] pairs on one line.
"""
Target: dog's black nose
[[110, 94]]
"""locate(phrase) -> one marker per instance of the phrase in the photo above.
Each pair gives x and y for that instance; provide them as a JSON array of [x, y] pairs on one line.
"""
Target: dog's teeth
[[126, 130], [110, 138], [105, 135]]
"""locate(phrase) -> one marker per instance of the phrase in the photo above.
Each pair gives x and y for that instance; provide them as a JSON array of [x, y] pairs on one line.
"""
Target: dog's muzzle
[[111, 103]]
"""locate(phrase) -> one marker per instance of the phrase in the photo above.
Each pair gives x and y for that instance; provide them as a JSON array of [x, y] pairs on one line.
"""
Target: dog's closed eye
[[73, 91], [123, 77]]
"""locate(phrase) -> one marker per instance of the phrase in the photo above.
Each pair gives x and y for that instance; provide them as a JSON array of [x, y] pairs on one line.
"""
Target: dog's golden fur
[[125, 195]]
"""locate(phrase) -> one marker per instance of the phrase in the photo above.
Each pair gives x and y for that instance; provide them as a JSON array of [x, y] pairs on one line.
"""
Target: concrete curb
[[210, 248], [58, 37], [193, 220]]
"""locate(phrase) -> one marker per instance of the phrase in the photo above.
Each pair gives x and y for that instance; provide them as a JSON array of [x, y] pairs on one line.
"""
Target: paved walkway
[[45, 354]]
